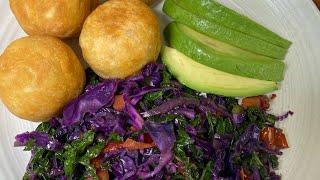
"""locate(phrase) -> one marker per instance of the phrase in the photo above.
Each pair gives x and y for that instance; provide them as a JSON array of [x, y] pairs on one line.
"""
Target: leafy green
[[178, 176], [92, 78], [212, 121], [153, 96], [219, 125], [249, 161], [207, 171], [70, 161], [257, 116], [92, 152], [43, 127], [149, 98], [196, 121], [182, 121], [191, 170], [40, 163], [188, 92], [271, 119], [274, 161], [236, 109], [115, 137], [230, 103], [224, 126], [38, 152], [30, 144], [255, 160], [75, 149], [183, 140], [44, 165], [166, 77], [263, 172], [136, 134], [164, 118]]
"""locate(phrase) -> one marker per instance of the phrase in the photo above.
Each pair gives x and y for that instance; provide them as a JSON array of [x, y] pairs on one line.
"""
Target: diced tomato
[[147, 138], [118, 102], [256, 101], [274, 138], [281, 140], [243, 175]]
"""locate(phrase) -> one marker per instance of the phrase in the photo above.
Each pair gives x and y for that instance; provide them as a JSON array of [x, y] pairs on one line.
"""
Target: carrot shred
[[102, 174], [129, 144], [118, 103], [134, 145], [97, 162], [243, 175]]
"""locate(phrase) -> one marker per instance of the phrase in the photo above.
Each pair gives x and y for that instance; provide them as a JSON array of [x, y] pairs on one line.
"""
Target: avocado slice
[[222, 56], [222, 33], [216, 12], [209, 80]]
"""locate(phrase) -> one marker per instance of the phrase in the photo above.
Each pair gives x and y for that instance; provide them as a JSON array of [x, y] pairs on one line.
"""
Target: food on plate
[[222, 56], [212, 10], [209, 80], [120, 37], [58, 18], [201, 23], [137, 118], [164, 130], [39, 75]]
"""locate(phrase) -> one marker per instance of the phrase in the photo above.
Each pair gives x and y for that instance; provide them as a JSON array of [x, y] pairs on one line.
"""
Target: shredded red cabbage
[[192, 135]]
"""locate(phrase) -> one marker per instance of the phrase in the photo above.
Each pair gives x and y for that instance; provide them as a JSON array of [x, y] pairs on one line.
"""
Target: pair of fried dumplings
[[40, 74]]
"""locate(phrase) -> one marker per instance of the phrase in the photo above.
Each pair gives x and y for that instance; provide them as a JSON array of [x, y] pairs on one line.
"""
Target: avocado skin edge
[[214, 11], [198, 77], [271, 70], [222, 33]]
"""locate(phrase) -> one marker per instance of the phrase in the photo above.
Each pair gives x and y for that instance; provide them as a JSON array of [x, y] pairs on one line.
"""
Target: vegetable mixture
[[149, 126]]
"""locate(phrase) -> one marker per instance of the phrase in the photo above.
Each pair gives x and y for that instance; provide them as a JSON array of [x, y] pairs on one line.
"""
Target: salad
[[150, 126]]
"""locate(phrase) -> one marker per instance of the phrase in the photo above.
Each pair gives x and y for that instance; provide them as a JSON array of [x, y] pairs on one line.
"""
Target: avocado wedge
[[216, 12], [209, 80], [222, 33], [222, 56]]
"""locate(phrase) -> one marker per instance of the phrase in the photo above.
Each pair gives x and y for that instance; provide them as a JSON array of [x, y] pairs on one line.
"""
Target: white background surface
[[297, 20]]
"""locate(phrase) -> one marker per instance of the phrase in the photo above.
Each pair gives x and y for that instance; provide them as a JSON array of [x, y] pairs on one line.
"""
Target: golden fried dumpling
[[38, 76], [59, 18], [119, 37]]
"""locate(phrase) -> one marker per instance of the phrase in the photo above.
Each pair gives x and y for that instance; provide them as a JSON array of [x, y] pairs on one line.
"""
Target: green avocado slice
[[222, 56], [216, 12], [222, 33], [209, 80]]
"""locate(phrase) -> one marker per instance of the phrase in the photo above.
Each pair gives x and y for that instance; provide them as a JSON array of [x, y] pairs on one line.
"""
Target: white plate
[[297, 20]]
